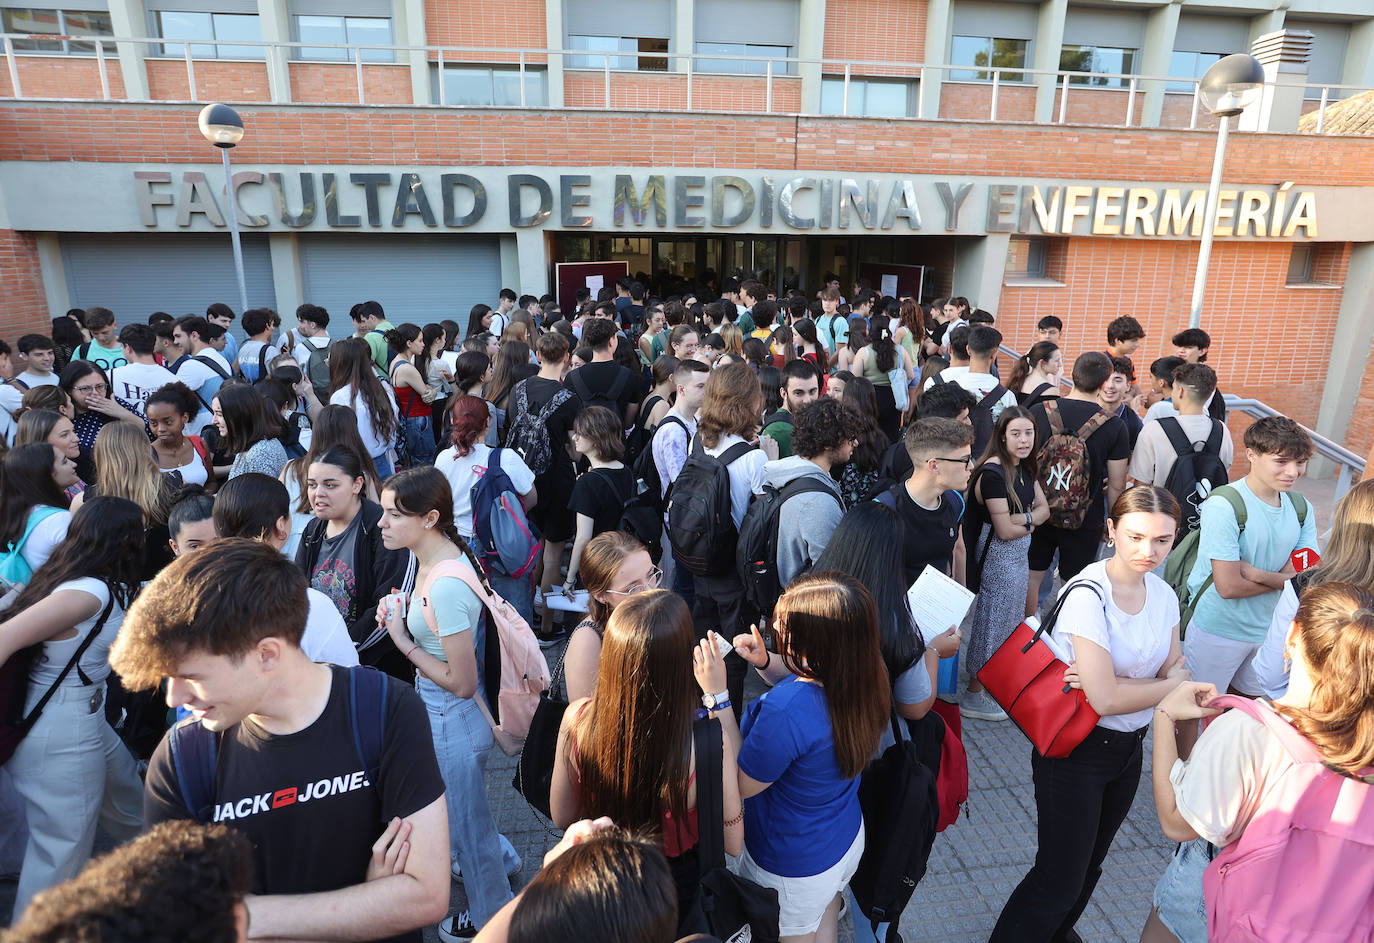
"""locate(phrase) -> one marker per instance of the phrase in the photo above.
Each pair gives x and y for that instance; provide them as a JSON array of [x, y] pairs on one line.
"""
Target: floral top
[[266, 456]]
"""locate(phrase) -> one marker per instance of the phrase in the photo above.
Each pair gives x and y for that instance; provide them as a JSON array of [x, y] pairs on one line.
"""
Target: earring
[[1287, 658], [1111, 541], [428, 525]]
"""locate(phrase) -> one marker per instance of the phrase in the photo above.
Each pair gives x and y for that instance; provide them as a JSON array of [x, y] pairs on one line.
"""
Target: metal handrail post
[[358, 71]]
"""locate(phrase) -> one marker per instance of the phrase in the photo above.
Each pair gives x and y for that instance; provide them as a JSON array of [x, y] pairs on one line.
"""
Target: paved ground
[[975, 863]]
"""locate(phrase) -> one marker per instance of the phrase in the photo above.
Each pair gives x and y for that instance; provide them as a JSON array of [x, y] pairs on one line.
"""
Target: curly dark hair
[[823, 424], [180, 881]]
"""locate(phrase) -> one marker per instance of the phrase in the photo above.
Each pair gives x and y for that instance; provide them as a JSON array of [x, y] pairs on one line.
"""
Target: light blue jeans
[[462, 741], [519, 592]]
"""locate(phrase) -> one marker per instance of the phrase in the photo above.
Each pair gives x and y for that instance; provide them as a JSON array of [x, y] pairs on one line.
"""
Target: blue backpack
[[14, 569], [503, 537], [195, 750]]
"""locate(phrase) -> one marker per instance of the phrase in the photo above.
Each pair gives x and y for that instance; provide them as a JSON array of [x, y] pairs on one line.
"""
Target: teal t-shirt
[[1270, 537], [106, 358], [456, 609]]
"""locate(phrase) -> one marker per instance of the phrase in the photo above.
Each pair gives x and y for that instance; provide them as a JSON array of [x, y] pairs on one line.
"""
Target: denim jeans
[[462, 741], [419, 439], [1080, 800], [383, 465]]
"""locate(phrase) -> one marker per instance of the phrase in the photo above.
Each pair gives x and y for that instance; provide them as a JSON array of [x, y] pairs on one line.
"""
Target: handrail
[[1350, 466], [769, 68]]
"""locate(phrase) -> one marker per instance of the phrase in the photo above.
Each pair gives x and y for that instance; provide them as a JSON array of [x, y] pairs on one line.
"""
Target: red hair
[[470, 419]]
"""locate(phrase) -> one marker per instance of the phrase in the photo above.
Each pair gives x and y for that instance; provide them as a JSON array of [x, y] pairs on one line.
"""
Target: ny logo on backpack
[[1066, 468]]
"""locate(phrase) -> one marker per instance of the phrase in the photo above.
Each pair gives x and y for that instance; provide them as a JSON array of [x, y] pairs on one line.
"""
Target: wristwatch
[[716, 702]]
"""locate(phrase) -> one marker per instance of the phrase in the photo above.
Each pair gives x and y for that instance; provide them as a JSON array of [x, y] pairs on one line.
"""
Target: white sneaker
[[979, 705], [457, 926]]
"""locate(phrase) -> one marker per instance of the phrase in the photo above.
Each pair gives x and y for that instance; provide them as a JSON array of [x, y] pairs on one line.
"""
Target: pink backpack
[[1303, 869], [524, 672]]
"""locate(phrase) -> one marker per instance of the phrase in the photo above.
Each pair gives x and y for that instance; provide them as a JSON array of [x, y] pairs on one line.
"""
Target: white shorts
[[1223, 662], [802, 901]]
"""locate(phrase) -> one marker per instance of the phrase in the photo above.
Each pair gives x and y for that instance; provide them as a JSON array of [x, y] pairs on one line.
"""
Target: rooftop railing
[[681, 72]]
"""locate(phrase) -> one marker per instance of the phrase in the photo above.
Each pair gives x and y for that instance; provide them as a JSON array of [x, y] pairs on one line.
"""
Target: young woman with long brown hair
[[335, 425], [1034, 378], [505, 373], [1005, 504], [805, 742], [615, 566], [626, 751], [1236, 765], [353, 383]]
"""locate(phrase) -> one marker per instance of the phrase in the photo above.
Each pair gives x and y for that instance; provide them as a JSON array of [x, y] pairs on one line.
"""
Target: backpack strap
[[1299, 505], [1296, 745], [1213, 443], [1237, 503], [808, 484], [1056, 418], [579, 386], [736, 451], [1038, 392], [194, 750], [618, 387], [710, 758], [781, 415], [1094, 422], [938, 380], [209, 362], [262, 361], [37, 516], [1173, 430], [993, 396], [888, 498], [367, 690], [83, 352]]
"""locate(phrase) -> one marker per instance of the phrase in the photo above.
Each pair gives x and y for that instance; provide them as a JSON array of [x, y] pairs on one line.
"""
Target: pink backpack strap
[[1298, 746], [463, 571]]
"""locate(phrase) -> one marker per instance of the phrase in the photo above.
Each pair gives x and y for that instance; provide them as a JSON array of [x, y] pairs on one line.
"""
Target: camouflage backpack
[[1066, 469]]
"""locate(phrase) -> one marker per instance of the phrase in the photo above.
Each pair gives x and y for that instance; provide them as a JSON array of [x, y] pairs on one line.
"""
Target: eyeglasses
[[965, 460], [91, 390], [649, 582]]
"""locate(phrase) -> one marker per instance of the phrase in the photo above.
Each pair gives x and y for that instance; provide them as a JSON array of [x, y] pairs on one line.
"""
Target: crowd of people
[[661, 493]]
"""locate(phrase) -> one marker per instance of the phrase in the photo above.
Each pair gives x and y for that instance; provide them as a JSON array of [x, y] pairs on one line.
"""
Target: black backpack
[[781, 415], [1197, 470], [639, 518], [901, 811], [609, 398], [646, 469], [700, 526], [980, 414], [756, 554]]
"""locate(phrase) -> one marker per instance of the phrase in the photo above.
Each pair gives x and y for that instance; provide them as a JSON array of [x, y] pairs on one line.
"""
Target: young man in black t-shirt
[[329, 826], [603, 382], [1108, 452], [930, 501]]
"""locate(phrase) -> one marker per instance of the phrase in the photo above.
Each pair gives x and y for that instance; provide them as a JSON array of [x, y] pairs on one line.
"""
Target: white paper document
[[450, 359], [937, 602], [595, 284], [889, 286]]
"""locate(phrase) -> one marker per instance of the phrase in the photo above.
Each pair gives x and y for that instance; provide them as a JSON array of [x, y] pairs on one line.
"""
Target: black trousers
[[719, 606], [1081, 801]]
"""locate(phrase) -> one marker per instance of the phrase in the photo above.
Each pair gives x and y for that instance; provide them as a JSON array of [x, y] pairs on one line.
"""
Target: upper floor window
[[476, 85], [987, 53], [1097, 60], [206, 27], [869, 98], [341, 31], [60, 23], [1186, 65], [639, 53], [755, 64]]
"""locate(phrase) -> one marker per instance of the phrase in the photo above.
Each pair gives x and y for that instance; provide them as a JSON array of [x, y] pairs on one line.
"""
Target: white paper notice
[[450, 359], [937, 602], [595, 283], [889, 286]]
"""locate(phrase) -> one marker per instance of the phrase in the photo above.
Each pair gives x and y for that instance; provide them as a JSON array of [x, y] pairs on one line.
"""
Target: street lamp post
[[222, 127], [1231, 84]]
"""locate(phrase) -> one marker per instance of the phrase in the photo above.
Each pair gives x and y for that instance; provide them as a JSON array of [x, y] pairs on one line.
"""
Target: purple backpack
[[1303, 869]]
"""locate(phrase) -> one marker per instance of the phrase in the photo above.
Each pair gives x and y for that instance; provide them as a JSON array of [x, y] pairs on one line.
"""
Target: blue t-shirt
[[807, 819], [1271, 535]]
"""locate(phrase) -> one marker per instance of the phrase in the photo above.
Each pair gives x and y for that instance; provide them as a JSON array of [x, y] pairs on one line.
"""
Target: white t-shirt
[[950, 375], [50, 532], [746, 475], [499, 322], [980, 385], [463, 473], [1154, 455], [137, 381], [1161, 409], [1221, 785], [304, 345], [1138, 644], [1268, 662], [344, 396], [249, 360], [95, 661], [31, 380], [326, 637]]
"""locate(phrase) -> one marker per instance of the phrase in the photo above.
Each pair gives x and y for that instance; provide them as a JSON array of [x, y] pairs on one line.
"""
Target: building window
[[183, 25], [870, 98], [1186, 65], [1315, 264], [61, 23], [1097, 59], [639, 53], [756, 64], [343, 30], [987, 53], [477, 86], [1028, 257]]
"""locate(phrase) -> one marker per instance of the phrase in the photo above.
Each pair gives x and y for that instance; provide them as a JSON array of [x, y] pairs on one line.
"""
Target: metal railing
[[1349, 466], [682, 67]]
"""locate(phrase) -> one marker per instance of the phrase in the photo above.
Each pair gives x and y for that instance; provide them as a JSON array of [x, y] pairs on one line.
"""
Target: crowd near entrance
[[729, 542]]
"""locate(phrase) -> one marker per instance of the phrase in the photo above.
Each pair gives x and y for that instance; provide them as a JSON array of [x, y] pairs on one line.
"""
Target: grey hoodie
[[806, 521]]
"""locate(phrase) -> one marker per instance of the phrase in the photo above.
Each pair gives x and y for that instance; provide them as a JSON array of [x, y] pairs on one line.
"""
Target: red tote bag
[[1026, 678]]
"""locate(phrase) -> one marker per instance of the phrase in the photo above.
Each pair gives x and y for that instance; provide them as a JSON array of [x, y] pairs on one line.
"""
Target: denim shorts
[[1178, 896]]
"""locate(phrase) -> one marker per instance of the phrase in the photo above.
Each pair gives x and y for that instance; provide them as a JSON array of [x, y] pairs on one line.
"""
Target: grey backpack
[[529, 432]]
